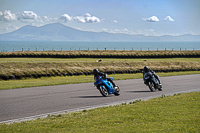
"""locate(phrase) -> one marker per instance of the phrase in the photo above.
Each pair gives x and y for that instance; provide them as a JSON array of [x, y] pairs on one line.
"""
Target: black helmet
[[95, 71], [146, 69]]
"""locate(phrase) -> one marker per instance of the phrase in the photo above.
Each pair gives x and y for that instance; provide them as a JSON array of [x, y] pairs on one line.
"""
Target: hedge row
[[24, 76], [102, 54]]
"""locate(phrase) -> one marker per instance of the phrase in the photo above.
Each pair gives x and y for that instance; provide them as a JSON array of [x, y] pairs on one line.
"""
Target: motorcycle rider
[[98, 74], [146, 70]]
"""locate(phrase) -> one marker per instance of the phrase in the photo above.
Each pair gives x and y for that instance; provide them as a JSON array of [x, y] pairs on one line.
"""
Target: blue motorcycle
[[106, 87]]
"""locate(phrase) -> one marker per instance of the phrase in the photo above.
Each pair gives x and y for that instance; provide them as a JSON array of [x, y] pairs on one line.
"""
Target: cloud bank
[[27, 16]]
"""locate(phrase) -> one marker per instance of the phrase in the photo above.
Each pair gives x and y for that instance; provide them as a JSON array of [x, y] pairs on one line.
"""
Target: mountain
[[60, 32]]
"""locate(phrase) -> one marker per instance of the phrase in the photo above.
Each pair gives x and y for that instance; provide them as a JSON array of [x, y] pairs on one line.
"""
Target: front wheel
[[103, 90], [151, 86], [117, 92]]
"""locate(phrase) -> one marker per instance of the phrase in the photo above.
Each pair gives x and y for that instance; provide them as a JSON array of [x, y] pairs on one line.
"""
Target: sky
[[144, 17]]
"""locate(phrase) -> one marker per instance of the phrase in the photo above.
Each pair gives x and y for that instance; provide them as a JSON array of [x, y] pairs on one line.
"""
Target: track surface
[[26, 102]]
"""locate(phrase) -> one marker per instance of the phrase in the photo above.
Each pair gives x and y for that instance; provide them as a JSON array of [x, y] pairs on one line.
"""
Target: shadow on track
[[88, 97], [138, 91]]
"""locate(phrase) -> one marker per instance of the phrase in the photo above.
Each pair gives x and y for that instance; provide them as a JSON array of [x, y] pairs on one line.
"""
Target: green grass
[[12, 84], [179, 113]]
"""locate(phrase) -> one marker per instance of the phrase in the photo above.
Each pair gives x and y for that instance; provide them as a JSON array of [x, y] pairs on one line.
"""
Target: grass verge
[[49, 81], [178, 113]]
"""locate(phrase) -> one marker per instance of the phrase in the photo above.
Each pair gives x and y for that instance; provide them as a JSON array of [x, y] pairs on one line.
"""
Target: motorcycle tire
[[117, 92], [152, 86], [160, 89], [103, 91]]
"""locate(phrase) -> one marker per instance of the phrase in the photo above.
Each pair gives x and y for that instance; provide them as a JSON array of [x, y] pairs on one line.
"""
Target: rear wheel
[[151, 86], [103, 90]]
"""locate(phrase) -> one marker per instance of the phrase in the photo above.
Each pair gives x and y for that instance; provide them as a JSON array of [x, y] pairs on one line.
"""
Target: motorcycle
[[106, 87], [152, 81]]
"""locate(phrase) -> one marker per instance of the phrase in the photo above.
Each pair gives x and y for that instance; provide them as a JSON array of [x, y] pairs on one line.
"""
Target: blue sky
[[146, 17]]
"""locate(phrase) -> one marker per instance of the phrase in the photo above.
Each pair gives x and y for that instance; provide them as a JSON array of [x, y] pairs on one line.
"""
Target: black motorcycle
[[152, 81]]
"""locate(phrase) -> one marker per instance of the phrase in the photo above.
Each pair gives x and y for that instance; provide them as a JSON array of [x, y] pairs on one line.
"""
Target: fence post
[[180, 48], [22, 49]]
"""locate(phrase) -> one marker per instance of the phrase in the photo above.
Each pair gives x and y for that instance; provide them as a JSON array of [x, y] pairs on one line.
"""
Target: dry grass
[[56, 66], [102, 53]]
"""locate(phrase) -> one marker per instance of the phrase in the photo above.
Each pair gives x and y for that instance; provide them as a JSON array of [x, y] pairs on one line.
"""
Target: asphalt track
[[30, 103]]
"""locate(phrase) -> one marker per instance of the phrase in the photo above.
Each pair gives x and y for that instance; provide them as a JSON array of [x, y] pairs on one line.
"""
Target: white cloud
[[7, 15], [168, 18], [87, 15], [79, 19], [65, 18], [115, 21], [92, 19], [151, 19], [28, 15], [123, 31], [87, 18]]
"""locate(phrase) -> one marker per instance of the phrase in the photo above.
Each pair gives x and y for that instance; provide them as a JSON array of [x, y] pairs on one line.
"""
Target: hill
[[60, 32]]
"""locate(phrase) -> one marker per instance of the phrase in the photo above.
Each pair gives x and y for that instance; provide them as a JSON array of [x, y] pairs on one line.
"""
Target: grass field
[[54, 66], [49, 81], [28, 66], [179, 113]]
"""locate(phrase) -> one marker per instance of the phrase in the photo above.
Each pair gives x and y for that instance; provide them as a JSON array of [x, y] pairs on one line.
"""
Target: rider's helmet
[[95, 71], [146, 69]]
